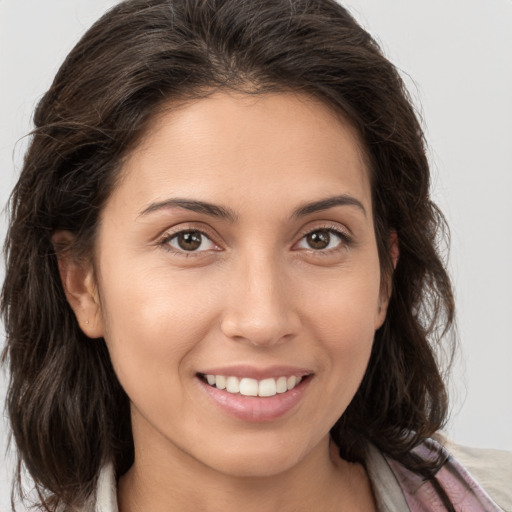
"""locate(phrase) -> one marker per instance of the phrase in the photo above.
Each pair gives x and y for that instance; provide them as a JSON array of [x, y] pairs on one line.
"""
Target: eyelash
[[345, 241], [164, 242]]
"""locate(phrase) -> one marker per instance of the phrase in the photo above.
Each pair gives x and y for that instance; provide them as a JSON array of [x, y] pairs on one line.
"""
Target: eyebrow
[[229, 215], [194, 206], [326, 204]]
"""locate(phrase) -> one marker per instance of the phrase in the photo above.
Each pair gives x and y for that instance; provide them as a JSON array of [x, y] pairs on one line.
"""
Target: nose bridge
[[260, 303]]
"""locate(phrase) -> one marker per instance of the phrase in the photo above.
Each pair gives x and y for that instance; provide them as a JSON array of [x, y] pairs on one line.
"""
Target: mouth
[[250, 387], [256, 394]]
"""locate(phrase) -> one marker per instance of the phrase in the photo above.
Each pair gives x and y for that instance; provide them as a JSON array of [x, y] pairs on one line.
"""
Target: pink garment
[[464, 492]]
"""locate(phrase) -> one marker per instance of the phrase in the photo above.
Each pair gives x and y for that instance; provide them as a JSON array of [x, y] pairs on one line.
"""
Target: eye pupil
[[189, 240], [319, 239]]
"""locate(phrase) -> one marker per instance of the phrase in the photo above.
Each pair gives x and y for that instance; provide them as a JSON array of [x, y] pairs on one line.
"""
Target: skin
[[254, 293]]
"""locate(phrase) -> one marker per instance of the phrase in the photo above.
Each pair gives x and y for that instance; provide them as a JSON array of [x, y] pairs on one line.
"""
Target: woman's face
[[239, 248]]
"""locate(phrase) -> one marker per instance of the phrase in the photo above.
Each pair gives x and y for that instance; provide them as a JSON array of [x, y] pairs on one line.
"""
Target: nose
[[260, 303]]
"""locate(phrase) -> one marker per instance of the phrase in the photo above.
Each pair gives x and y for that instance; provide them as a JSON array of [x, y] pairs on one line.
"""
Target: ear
[[79, 285], [386, 288], [394, 251]]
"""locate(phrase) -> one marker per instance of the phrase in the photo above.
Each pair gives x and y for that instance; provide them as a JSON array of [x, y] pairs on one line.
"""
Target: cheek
[[347, 306], [344, 315], [151, 325]]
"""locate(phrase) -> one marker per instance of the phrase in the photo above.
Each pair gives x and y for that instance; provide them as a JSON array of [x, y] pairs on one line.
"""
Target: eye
[[189, 241], [323, 239]]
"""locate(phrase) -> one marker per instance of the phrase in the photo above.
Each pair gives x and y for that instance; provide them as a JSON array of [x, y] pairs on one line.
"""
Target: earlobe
[[79, 285]]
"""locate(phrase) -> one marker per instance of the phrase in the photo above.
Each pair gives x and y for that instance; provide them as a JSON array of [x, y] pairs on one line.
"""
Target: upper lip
[[253, 372]]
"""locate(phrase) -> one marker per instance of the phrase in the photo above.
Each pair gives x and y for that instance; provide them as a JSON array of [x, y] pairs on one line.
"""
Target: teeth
[[220, 381], [253, 387], [249, 387], [267, 387], [281, 386], [232, 385]]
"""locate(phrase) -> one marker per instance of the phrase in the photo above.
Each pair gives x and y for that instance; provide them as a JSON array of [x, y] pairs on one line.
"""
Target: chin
[[265, 457], [256, 465]]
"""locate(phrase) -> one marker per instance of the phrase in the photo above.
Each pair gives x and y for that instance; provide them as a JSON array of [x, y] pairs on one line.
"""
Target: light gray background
[[456, 57]]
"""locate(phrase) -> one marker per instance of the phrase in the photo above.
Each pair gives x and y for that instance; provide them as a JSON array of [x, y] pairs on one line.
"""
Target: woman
[[223, 288]]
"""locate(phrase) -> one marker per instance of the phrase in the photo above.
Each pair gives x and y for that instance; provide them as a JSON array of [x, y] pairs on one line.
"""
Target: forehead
[[233, 142]]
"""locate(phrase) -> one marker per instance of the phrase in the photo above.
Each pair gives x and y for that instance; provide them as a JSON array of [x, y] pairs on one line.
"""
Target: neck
[[177, 482]]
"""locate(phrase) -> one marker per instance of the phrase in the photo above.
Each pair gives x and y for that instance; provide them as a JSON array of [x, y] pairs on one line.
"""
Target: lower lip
[[256, 409]]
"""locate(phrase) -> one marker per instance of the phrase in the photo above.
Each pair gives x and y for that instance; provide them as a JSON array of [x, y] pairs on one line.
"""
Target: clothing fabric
[[398, 489]]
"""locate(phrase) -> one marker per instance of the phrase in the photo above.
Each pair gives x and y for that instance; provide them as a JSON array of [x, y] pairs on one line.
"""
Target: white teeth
[[267, 387], [232, 385], [220, 381], [249, 387], [281, 386], [253, 387]]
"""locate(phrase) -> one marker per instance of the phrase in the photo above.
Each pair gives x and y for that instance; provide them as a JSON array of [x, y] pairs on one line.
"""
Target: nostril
[[258, 333]]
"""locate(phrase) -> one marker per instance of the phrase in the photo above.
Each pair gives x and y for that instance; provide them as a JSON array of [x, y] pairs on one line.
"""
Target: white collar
[[106, 491]]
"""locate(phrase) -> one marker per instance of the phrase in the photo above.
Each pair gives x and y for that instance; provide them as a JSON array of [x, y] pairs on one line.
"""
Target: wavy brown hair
[[69, 415]]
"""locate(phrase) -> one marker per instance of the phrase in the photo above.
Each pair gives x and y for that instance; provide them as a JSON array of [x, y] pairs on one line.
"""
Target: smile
[[252, 387], [255, 396]]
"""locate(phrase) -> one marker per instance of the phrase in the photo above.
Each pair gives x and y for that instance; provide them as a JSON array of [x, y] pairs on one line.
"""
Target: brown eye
[[190, 241], [324, 239], [318, 239]]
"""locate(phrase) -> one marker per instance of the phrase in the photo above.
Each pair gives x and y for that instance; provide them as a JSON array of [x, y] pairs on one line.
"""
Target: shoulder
[[492, 469], [473, 479]]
